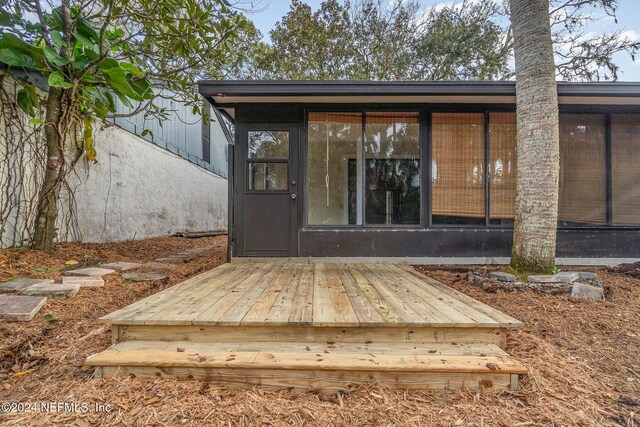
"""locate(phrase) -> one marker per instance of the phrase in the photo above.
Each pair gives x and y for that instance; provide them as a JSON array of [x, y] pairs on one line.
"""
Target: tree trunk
[[538, 141], [45, 231]]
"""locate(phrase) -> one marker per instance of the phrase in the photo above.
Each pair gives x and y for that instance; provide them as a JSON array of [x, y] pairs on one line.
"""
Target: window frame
[[331, 108], [280, 160], [425, 141]]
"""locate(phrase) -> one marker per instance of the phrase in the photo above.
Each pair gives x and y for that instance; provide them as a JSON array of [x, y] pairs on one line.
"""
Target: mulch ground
[[583, 359]]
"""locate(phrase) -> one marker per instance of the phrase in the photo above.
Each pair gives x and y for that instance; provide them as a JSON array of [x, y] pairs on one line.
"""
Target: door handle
[[293, 196]]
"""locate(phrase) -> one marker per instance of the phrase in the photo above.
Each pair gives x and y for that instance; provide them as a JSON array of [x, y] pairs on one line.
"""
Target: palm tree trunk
[[538, 141], [45, 231]]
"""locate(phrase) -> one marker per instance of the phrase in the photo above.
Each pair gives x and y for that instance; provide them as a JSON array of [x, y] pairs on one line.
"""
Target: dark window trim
[[426, 217], [274, 127]]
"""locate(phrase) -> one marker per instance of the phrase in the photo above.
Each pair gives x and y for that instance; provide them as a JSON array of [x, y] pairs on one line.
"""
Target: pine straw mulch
[[583, 360]]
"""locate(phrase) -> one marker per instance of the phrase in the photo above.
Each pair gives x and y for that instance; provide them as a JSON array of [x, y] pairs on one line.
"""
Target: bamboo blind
[[582, 169], [502, 165], [458, 164], [625, 168]]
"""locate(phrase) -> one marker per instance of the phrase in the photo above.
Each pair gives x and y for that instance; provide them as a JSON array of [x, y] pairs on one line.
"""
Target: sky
[[269, 12]]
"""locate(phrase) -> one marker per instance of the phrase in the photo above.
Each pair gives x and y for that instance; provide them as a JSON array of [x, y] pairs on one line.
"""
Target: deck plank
[[444, 302], [322, 307], [302, 311], [304, 294], [363, 308], [259, 310], [160, 302], [283, 305], [214, 313], [344, 313], [500, 317]]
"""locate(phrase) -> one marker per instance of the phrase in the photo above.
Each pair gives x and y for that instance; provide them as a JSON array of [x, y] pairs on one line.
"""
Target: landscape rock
[[84, 281], [588, 292], [19, 285], [90, 271], [544, 278], [121, 266], [159, 265], [144, 277], [54, 290], [566, 276], [588, 275], [17, 308], [502, 276]]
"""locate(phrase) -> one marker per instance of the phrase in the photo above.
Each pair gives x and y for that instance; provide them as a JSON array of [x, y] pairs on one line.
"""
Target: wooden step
[[328, 367], [310, 334]]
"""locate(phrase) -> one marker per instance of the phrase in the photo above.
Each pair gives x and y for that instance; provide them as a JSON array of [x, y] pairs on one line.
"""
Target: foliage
[[395, 40], [91, 53]]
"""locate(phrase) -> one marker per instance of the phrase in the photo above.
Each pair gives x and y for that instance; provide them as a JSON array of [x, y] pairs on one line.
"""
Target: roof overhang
[[233, 92]]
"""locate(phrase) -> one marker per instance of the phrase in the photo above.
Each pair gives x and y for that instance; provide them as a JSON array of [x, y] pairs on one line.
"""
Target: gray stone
[[502, 276], [170, 259], [545, 278], [17, 308], [19, 285], [90, 271], [83, 281], [144, 277], [566, 276], [588, 292], [158, 265], [588, 275], [52, 290], [121, 266]]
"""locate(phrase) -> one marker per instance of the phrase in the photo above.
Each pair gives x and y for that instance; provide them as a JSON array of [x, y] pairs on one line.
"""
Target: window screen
[[458, 168], [625, 168]]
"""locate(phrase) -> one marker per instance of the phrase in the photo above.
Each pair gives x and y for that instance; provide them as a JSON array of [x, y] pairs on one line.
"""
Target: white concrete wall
[[139, 190]]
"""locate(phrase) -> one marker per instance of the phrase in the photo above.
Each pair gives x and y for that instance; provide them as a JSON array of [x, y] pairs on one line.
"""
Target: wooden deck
[[321, 326]]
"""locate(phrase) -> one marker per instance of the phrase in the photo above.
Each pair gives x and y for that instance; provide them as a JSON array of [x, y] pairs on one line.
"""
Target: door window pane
[[268, 176], [268, 144], [458, 168], [582, 169], [625, 168], [502, 167], [334, 186], [392, 183]]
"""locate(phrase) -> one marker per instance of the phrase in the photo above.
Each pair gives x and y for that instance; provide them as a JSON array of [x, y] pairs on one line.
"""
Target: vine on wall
[[22, 165]]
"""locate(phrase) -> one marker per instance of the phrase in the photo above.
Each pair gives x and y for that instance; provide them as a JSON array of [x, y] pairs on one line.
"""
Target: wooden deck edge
[[163, 354], [322, 381]]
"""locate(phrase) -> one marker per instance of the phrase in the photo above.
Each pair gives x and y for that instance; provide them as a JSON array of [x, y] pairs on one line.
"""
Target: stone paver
[[53, 290], [544, 278], [158, 265], [90, 271], [121, 266], [588, 292], [19, 285], [566, 276], [144, 277], [83, 281], [18, 308], [502, 276], [170, 259]]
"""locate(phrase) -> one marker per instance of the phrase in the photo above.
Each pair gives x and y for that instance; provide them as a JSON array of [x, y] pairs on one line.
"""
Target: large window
[[583, 178], [365, 169], [334, 186], [458, 168], [625, 169], [349, 183], [392, 181]]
